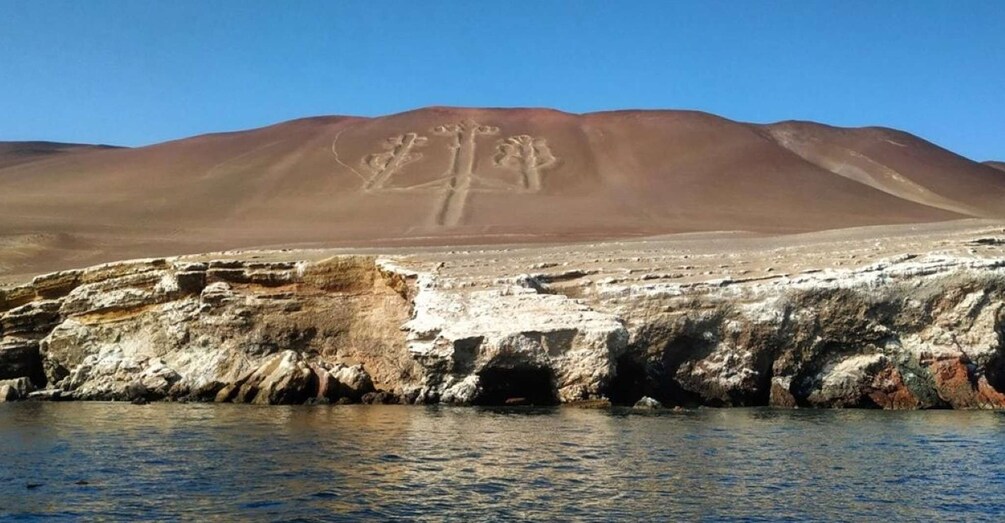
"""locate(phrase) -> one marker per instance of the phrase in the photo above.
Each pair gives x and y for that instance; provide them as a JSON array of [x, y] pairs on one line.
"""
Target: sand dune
[[442, 176], [996, 165]]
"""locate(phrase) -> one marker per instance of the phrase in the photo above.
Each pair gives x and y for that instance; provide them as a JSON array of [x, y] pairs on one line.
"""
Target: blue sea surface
[[204, 462]]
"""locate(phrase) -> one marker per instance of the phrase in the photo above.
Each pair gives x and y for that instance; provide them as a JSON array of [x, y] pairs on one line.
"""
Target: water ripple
[[230, 462]]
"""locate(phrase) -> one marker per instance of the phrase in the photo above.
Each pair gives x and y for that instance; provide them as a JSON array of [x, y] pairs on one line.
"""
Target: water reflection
[[226, 462]]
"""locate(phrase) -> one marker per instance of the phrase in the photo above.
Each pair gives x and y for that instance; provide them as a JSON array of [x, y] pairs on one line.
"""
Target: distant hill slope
[[456, 176], [14, 153], [996, 165]]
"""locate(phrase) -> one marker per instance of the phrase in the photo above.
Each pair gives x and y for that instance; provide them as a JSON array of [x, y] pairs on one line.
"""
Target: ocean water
[[88, 461]]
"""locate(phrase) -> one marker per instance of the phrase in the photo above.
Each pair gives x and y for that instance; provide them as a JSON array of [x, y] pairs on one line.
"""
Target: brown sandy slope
[[898, 163], [455, 176], [14, 153], [996, 165]]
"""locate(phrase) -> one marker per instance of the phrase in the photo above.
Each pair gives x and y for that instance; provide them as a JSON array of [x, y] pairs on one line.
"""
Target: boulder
[[11, 390], [158, 379], [8, 393], [647, 403], [137, 393], [780, 394], [848, 382], [282, 379], [460, 392], [350, 382]]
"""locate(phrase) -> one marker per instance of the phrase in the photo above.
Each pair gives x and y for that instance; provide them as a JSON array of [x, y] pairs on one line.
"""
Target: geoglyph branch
[[523, 153], [398, 154], [528, 155]]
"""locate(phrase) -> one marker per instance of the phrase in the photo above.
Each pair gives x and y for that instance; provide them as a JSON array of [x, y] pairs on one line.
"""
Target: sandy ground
[[680, 258]]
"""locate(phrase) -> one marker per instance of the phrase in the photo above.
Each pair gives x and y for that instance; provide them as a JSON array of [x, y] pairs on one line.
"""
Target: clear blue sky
[[135, 72]]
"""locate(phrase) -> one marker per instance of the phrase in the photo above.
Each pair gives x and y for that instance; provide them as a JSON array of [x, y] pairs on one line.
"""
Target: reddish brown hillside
[[14, 153], [447, 176]]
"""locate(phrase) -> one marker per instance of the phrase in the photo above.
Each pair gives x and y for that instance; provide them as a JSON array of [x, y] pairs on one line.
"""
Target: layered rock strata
[[907, 331]]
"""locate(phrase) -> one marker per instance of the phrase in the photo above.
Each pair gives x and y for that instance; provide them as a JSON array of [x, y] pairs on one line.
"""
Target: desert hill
[[996, 165], [14, 153], [441, 176]]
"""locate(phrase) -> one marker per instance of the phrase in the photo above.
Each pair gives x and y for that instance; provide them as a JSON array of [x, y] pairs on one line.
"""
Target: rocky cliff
[[861, 324]]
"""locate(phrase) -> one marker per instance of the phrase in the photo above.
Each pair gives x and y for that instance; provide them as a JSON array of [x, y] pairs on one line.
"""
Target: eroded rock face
[[907, 333], [185, 330], [891, 339], [487, 346]]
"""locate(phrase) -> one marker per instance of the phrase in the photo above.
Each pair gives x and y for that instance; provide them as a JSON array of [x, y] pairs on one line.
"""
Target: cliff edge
[[902, 318]]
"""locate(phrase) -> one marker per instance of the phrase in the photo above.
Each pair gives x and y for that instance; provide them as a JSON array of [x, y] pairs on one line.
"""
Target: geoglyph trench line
[[399, 153], [461, 168], [339, 160], [525, 154]]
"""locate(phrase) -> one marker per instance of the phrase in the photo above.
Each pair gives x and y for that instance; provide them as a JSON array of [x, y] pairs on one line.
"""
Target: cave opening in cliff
[[630, 381], [995, 371], [516, 386]]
